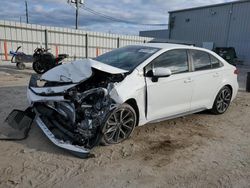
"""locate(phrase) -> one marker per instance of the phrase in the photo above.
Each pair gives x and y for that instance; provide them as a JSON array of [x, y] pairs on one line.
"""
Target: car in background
[[227, 53]]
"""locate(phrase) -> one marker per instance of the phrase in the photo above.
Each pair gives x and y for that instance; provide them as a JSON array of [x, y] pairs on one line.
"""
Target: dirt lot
[[200, 150]]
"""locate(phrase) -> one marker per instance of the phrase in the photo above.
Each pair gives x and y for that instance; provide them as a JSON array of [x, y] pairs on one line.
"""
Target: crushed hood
[[78, 71]]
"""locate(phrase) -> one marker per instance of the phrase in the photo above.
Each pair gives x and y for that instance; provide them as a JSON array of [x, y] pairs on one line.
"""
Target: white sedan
[[81, 104]]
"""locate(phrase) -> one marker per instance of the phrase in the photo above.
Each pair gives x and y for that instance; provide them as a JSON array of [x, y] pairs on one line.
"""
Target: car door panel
[[169, 96], [205, 78], [205, 85]]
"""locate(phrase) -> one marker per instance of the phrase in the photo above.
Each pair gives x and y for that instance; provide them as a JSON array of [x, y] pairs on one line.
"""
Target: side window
[[215, 62], [201, 60], [175, 60]]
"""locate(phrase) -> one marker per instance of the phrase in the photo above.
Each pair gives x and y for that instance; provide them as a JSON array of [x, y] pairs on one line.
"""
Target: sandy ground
[[200, 150]]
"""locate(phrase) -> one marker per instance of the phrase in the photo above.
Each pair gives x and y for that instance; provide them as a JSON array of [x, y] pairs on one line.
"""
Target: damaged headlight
[[40, 83]]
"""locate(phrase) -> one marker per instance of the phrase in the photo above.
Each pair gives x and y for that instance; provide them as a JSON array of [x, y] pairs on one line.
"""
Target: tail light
[[236, 71]]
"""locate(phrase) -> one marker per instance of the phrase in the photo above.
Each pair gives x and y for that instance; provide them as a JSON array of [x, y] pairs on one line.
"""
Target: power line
[[117, 19]]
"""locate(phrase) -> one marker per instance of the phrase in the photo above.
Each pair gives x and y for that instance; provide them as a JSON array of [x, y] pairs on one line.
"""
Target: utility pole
[[27, 14], [77, 4], [77, 7]]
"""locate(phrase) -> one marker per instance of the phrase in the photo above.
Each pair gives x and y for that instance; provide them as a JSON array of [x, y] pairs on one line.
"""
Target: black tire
[[38, 67], [20, 66], [222, 101], [119, 125]]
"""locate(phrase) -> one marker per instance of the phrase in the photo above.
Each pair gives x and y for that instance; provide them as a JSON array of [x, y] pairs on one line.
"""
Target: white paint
[[104, 67], [170, 96], [161, 72], [74, 72], [78, 71], [32, 98], [51, 90]]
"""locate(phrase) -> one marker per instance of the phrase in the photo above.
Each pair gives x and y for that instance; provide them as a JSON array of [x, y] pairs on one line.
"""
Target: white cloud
[[39, 8]]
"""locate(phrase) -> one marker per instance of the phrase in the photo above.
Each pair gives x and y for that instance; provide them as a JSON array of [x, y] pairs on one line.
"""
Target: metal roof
[[210, 6]]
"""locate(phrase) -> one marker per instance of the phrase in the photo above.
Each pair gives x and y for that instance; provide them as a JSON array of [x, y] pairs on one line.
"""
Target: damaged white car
[[81, 104]]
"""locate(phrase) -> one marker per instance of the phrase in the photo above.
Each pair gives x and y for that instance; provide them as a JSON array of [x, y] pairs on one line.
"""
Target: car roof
[[170, 46], [164, 45]]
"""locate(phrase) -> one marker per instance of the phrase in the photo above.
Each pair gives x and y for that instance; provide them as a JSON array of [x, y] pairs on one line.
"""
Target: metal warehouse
[[225, 25]]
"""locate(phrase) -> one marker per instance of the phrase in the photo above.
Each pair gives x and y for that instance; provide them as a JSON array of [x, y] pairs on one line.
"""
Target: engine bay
[[79, 119]]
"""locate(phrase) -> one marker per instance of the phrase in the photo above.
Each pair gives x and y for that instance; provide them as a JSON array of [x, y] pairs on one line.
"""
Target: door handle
[[188, 80]]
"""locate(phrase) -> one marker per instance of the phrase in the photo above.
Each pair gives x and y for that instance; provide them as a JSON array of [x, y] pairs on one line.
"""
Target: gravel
[[199, 150]]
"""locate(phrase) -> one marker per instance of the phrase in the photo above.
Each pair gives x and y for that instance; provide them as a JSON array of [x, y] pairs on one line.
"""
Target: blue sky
[[59, 13]]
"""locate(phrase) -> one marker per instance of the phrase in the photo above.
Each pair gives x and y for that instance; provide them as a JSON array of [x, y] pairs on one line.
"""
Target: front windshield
[[127, 58]]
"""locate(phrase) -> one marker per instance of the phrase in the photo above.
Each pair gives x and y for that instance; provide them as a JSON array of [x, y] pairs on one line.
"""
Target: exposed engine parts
[[72, 111], [81, 116], [91, 109]]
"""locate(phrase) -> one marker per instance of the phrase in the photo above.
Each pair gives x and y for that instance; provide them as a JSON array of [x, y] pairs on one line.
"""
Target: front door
[[171, 95]]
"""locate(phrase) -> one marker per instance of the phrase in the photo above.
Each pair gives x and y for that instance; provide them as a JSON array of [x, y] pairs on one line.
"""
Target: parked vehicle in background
[[227, 53], [19, 58], [81, 104], [42, 60]]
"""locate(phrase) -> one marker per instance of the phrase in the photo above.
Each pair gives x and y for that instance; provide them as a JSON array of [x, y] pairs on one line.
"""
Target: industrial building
[[223, 25], [159, 34]]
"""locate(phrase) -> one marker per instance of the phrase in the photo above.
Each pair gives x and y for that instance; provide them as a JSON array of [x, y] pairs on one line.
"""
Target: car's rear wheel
[[222, 100], [119, 125]]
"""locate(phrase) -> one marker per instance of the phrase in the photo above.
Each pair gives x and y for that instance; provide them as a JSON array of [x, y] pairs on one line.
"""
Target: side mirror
[[158, 72], [161, 72]]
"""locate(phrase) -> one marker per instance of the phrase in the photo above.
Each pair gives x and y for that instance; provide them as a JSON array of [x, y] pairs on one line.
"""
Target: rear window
[[201, 60], [215, 62], [204, 61]]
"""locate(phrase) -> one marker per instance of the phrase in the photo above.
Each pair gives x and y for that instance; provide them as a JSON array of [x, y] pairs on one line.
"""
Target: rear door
[[171, 95], [206, 78]]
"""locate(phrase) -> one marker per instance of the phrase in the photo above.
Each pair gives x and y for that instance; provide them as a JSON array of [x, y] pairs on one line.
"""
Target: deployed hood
[[78, 71], [105, 68]]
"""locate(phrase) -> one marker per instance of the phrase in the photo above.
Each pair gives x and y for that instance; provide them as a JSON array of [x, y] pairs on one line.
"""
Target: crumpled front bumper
[[43, 95], [74, 149]]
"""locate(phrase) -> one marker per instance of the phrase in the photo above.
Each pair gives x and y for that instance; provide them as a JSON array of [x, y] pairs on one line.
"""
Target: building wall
[[226, 25], [76, 43], [239, 33], [159, 34]]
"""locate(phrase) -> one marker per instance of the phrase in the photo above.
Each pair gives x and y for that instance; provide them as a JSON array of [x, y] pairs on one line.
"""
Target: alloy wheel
[[119, 125], [223, 100]]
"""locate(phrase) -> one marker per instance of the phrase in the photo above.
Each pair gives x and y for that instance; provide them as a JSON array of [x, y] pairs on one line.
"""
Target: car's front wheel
[[119, 125], [222, 100]]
